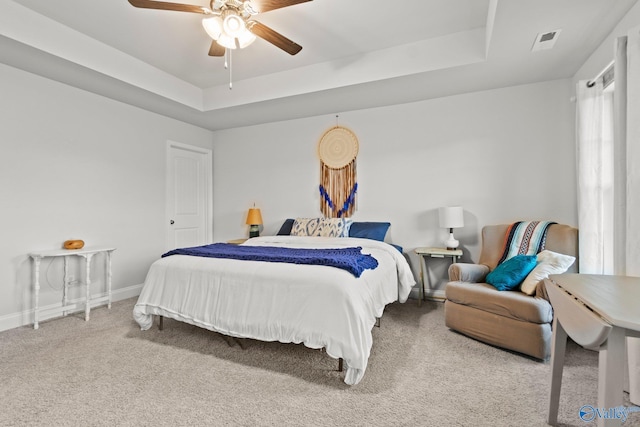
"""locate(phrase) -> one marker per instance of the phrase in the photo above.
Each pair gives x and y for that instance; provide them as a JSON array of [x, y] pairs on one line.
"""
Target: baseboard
[[436, 294], [25, 317]]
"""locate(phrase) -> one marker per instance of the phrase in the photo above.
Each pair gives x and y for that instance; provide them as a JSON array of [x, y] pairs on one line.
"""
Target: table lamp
[[451, 217], [254, 220]]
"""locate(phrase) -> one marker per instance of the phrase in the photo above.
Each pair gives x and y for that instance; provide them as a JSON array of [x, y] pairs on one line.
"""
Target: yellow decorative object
[[74, 244]]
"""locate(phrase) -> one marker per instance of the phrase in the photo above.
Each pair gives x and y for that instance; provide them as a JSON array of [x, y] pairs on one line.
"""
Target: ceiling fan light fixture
[[227, 41], [213, 26], [233, 25], [246, 38], [230, 32], [248, 9]]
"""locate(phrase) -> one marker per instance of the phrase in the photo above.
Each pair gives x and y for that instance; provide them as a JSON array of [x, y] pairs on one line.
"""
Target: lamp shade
[[233, 25], [213, 26], [246, 38], [254, 217], [451, 217]]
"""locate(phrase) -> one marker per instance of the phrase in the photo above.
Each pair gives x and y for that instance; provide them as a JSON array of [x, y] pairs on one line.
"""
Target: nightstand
[[425, 253]]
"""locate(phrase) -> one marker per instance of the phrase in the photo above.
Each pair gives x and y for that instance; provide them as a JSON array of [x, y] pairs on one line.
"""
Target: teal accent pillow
[[511, 273]]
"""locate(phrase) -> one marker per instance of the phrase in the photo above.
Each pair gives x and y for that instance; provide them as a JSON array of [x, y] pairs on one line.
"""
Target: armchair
[[512, 320]]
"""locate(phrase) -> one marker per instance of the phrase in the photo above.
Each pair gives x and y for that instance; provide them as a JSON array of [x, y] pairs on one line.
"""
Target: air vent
[[545, 40]]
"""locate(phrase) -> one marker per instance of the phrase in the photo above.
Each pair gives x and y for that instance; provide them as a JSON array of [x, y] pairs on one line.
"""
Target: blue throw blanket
[[349, 259]]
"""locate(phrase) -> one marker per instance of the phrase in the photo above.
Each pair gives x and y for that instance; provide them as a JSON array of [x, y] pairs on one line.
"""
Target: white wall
[[504, 155], [77, 165]]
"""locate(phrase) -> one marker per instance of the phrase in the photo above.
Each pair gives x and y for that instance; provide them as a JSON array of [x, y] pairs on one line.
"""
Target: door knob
[[172, 222]]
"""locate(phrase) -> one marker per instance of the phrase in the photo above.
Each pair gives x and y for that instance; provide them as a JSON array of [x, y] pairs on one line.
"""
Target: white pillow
[[548, 263], [321, 227]]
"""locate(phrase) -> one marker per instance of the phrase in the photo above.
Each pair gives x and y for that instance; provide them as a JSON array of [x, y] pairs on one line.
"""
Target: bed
[[320, 306]]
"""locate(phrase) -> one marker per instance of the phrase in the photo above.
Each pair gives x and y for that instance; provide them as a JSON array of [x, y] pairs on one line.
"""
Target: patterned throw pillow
[[321, 227]]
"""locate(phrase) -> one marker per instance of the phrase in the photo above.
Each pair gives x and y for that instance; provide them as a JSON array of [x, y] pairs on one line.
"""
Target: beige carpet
[[106, 372]]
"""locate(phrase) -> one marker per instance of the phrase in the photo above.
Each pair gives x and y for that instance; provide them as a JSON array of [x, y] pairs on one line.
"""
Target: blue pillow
[[285, 230], [369, 230], [511, 273]]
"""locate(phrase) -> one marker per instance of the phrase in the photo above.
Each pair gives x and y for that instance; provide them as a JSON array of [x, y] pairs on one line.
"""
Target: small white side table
[[87, 254], [424, 253]]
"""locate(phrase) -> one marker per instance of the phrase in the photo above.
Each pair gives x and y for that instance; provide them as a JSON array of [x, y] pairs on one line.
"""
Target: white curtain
[[627, 178], [591, 179], [631, 141]]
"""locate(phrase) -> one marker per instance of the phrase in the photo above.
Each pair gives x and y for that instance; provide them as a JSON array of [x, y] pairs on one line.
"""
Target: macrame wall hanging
[[337, 150]]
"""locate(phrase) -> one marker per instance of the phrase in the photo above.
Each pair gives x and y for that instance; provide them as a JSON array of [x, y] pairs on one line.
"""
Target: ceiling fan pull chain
[[230, 70]]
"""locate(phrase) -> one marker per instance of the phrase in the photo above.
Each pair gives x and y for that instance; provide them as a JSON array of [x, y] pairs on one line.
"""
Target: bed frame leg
[[340, 361], [161, 323], [378, 319]]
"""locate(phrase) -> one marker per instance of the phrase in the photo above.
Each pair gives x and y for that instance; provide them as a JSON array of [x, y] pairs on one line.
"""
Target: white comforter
[[319, 306]]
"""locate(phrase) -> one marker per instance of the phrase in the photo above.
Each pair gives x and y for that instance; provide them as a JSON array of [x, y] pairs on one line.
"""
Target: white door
[[189, 195]]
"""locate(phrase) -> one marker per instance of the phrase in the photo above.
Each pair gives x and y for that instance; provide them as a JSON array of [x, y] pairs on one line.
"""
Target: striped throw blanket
[[525, 238]]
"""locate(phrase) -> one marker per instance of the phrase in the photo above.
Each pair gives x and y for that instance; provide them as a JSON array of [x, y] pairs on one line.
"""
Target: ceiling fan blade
[[274, 37], [216, 49], [163, 5], [262, 6]]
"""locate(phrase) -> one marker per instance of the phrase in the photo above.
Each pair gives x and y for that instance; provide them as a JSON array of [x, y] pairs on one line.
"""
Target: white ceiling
[[356, 53]]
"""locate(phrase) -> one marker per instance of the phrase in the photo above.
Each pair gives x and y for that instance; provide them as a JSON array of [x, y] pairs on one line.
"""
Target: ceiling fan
[[229, 22]]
